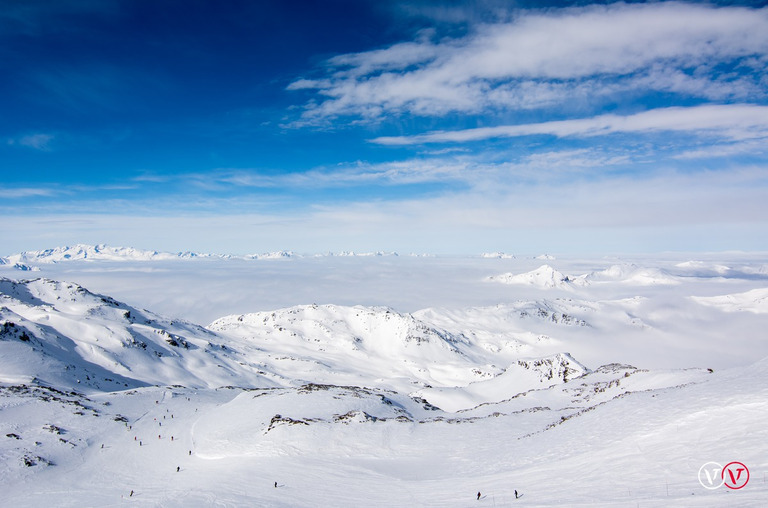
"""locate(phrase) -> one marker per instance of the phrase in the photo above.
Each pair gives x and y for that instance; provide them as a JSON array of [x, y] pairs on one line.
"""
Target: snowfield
[[379, 380]]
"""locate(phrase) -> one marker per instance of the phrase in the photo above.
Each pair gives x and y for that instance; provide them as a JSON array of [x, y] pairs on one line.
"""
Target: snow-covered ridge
[[547, 277], [350, 253], [101, 252], [356, 345], [282, 254], [631, 274], [497, 255], [544, 277], [82, 252], [755, 301], [64, 335]]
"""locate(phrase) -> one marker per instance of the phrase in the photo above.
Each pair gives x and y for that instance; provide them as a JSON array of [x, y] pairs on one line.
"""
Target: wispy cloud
[[736, 122], [38, 141], [752, 148], [552, 58], [411, 171], [624, 214], [25, 192]]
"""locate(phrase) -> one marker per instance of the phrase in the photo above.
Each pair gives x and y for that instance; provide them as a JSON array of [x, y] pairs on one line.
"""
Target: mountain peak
[[544, 276]]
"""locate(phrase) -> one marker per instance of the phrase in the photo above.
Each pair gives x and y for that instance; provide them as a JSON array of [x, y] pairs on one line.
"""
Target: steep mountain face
[[63, 335]]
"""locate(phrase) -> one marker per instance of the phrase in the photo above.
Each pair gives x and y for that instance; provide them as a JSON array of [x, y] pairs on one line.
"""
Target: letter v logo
[[737, 477], [710, 476]]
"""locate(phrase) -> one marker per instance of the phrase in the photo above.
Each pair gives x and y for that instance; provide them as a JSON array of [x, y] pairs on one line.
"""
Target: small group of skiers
[[479, 495]]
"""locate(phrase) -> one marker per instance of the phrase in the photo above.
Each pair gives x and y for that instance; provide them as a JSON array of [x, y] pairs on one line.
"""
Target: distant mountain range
[[82, 252]]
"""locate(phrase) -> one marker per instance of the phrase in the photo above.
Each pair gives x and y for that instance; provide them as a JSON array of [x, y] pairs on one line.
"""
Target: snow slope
[[60, 334], [755, 301], [630, 274], [617, 437], [379, 347], [350, 405]]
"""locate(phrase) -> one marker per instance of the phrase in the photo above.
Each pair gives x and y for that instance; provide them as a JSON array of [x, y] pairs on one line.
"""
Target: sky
[[444, 127]]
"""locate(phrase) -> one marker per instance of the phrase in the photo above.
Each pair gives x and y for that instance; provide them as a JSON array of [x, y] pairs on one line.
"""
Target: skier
[[515, 494], [275, 484], [478, 496], [131, 494], [178, 468]]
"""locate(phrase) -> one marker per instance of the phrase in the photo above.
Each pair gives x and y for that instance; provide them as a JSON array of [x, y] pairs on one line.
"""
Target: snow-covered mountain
[[62, 335], [547, 277], [105, 403], [372, 347], [496, 255], [543, 277], [755, 301], [82, 252], [629, 274], [101, 252], [283, 254]]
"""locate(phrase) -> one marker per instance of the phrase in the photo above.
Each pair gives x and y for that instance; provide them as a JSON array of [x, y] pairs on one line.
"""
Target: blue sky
[[442, 127]]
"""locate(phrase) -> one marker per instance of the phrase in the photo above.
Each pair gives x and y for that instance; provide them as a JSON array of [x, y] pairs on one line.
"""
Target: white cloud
[[581, 158], [39, 141], [546, 58], [735, 122], [396, 57], [25, 192], [717, 210], [756, 147], [412, 171]]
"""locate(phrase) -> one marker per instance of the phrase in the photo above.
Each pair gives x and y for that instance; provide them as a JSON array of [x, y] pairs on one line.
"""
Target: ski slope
[[612, 392]]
